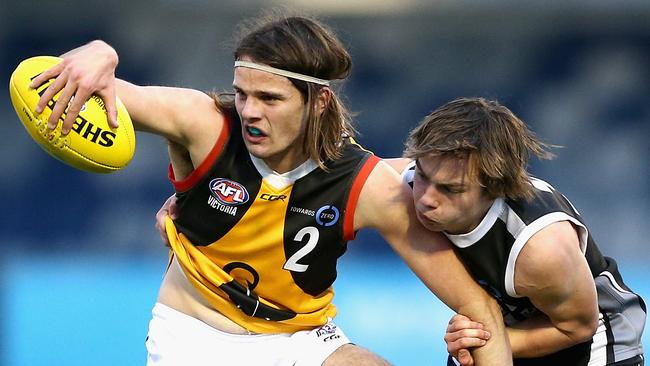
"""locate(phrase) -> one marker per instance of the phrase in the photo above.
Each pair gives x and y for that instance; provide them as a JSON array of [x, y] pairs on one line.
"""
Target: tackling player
[[564, 302]]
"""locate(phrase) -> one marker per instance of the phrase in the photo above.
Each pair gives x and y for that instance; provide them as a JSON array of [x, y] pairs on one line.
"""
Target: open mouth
[[254, 132]]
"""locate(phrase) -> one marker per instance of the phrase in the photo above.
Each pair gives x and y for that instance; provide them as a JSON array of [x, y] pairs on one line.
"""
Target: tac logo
[[327, 215], [327, 329], [227, 192]]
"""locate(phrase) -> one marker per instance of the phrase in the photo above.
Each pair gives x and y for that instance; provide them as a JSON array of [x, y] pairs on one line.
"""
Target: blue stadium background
[[81, 260]]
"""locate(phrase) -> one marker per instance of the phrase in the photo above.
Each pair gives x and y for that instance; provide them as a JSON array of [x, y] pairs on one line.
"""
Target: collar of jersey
[[280, 181], [467, 239], [409, 172]]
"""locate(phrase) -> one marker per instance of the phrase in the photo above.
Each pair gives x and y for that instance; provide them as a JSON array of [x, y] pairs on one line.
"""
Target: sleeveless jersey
[[262, 247], [490, 252]]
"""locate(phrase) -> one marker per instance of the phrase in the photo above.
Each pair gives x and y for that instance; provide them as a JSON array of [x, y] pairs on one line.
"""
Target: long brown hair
[[306, 46], [497, 143]]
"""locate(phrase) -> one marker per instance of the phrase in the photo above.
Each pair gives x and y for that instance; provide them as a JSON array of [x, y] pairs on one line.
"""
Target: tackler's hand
[[462, 334], [169, 208]]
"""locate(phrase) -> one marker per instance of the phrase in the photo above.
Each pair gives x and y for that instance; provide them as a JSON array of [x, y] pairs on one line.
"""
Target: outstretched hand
[[462, 334], [169, 208], [84, 71]]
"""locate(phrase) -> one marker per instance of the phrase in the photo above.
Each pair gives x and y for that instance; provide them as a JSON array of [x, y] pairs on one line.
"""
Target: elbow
[[589, 325], [583, 331], [593, 327]]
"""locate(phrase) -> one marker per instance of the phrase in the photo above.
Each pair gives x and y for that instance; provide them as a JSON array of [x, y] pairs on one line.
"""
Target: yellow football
[[92, 145]]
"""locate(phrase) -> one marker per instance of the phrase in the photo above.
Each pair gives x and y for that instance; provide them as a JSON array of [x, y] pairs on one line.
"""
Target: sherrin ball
[[91, 145]]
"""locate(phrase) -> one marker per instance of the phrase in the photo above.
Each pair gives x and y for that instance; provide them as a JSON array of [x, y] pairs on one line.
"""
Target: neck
[[286, 162], [281, 180], [479, 218], [283, 167], [475, 221]]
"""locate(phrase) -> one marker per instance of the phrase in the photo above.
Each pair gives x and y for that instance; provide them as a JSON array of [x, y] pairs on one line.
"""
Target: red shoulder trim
[[204, 167], [355, 191]]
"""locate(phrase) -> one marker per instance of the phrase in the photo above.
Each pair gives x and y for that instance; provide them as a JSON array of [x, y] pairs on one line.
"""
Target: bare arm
[[399, 164], [431, 257], [553, 273], [185, 117]]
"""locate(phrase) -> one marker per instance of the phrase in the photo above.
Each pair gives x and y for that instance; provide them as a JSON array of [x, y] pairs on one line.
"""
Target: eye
[[420, 179], [269, 98], [453, 190]]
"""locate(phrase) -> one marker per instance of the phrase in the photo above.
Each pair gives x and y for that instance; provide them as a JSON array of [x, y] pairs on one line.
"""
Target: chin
[[430, 225], [256, 150], [256, 154], [434, 227]]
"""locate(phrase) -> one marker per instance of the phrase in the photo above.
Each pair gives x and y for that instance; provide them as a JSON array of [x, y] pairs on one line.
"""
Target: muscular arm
[[185, 117], [553, 273], [431, 258]]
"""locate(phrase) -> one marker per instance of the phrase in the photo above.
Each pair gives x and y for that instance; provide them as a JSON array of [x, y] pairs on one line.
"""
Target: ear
[[323, 100]]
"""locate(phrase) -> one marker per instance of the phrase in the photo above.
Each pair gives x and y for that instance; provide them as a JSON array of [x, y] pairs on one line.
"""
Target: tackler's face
[[272, 112], [445, 196]]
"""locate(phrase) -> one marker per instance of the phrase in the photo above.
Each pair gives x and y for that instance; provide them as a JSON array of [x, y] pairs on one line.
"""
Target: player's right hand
[[169, 208], [462, 334], [84, 71]]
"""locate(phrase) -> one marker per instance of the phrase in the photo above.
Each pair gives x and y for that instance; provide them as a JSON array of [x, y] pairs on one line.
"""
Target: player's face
[[272, 112], [445, 197]]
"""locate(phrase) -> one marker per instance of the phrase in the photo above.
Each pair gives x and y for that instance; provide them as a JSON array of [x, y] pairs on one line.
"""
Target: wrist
[[107, 51]]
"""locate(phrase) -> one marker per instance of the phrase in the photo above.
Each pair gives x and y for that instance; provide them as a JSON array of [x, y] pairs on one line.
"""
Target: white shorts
[[177, 339]]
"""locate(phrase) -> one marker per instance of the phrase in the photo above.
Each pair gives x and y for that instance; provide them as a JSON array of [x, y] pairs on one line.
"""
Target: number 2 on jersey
[[292, 263]]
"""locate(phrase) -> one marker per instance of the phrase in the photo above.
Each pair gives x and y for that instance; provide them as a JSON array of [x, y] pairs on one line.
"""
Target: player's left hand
[[462, 334]]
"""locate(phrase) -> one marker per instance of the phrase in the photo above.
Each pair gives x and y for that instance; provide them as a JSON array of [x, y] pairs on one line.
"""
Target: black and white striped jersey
[[490, 252]]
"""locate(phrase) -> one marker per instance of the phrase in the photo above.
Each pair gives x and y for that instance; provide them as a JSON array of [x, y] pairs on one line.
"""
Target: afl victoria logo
[[227, 192]]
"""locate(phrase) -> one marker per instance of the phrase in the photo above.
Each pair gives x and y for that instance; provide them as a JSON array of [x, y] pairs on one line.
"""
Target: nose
[[429, 198], [250, 109]]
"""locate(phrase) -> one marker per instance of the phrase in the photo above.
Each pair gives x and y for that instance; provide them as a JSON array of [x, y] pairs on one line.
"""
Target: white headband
[[289, 74]]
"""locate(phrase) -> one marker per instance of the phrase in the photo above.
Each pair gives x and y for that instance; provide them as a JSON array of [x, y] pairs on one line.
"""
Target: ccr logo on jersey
[[228, 192]]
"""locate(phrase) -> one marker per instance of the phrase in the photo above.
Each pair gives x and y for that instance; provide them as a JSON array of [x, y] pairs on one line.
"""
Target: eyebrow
[[260, 93], [458, 185]]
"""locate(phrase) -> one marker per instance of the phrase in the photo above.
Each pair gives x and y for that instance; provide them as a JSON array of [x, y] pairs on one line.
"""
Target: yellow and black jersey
[[262, 247]]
